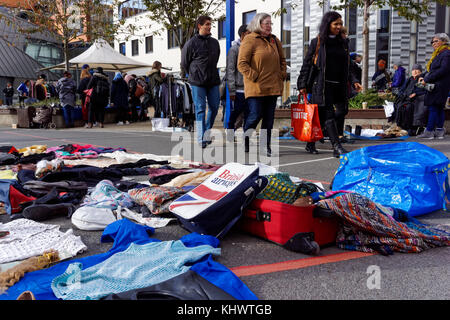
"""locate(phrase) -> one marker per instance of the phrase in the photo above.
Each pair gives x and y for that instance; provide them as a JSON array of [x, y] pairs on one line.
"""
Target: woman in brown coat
[[262, 62]]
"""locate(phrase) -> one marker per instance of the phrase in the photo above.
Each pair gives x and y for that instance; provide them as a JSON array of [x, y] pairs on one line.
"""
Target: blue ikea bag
[[409, 176]]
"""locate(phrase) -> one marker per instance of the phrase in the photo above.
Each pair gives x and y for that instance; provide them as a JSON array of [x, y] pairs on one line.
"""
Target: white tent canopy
[[101, 54]]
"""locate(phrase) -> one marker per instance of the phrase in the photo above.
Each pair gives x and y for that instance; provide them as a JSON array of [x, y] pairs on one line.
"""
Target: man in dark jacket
[[9, 93], [235, 81], [67, 88], [199, 59], [99, 98]]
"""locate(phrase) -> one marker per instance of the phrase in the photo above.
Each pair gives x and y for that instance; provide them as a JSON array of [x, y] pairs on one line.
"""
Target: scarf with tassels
[[436, 53]]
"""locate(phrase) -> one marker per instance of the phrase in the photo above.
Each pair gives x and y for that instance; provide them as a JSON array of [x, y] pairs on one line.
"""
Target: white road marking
[[307, 161]]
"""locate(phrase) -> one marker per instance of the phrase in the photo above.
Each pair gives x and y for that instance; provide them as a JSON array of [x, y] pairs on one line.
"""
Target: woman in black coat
[[119, 98], [328, 84], [438, 73]]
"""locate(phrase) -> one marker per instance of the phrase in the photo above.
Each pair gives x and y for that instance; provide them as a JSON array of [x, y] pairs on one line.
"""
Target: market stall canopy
[[101, 54]]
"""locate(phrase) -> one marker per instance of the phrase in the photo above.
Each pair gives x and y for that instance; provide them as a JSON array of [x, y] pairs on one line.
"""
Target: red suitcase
[[299, 229]]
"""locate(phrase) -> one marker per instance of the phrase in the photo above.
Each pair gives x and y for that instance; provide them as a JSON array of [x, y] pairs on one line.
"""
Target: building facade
[[391, 37]]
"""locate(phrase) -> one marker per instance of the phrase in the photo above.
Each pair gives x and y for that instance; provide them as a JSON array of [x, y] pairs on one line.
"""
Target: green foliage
[[412, 10], [370, 96], [174, 14]]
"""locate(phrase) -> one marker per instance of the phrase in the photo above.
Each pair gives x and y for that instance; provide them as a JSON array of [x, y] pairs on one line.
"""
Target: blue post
[[229, 26]]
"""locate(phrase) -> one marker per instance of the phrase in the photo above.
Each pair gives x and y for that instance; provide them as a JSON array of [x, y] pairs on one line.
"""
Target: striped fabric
[[369, 227]]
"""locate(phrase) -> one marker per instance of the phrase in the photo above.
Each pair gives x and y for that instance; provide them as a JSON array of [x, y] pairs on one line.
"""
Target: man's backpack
[[102, 89]]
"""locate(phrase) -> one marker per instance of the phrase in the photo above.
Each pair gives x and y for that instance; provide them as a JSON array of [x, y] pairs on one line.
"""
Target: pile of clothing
[[97, 188]]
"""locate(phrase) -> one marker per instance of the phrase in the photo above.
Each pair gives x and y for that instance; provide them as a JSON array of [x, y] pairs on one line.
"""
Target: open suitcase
[[217, 204], [299, 229]]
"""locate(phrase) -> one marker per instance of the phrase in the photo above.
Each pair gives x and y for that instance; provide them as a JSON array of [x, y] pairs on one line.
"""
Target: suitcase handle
[[262, 216], [258, 215], [319, 212]]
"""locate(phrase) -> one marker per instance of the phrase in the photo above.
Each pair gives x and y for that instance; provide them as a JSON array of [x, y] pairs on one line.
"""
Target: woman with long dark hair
[[325, 75]]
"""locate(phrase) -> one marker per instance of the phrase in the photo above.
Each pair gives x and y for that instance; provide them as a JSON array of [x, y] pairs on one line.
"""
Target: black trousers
[[336, 105]]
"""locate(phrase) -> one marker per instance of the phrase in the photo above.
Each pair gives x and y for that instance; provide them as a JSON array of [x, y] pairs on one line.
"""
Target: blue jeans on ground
[[69, 115], [436, 118], [238, 106], [199, 95]]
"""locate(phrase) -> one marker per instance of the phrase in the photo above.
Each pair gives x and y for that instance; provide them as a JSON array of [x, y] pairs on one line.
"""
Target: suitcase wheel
[[303, 243]]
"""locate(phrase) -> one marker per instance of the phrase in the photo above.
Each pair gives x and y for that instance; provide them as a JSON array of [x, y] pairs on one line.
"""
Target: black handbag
[[314, 69]]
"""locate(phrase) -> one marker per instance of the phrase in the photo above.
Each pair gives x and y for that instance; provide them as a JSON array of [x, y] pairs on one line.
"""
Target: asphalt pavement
[[270, 271]]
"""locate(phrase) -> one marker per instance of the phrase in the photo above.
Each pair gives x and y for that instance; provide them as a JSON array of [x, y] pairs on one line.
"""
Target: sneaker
[[439, 133], [127, 122], [120, 123], [95, 124], [429, 135]]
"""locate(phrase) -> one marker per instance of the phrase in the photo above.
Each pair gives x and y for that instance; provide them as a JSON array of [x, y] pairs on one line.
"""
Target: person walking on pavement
[[119, 98], [99, 98], [330, 82], [199, 59], [67, 89], [9, 93], [262, 63], [437, 73], [235, 83]]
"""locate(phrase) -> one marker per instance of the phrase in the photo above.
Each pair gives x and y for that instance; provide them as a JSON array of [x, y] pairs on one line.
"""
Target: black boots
[[268, 141], [311, 148], [332, 131]]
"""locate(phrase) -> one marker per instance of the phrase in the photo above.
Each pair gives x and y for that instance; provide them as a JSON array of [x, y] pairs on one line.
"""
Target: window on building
[[134, 47], [222, 29], [442, 19], [306, 26], [45, 53], [172, 41], [286, 30], [351, 21], [122, 48], [248, 16], [131, 8], [149, 44], [383, 35]]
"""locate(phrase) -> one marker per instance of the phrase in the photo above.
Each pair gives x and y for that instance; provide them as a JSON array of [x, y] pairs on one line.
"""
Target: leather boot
[[268, 148], [247, 144], [338, 150], [311, 148]]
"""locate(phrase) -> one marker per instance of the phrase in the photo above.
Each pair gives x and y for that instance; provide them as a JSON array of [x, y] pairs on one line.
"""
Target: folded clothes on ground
[[105, 195], [157, 199]]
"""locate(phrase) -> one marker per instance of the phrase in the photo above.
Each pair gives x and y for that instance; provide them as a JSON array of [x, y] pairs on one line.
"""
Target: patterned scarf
[[436, 53], [370, 227]]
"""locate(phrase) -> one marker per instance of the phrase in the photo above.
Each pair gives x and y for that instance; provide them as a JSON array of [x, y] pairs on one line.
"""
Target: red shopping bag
[[87, 100], [305, 123]]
